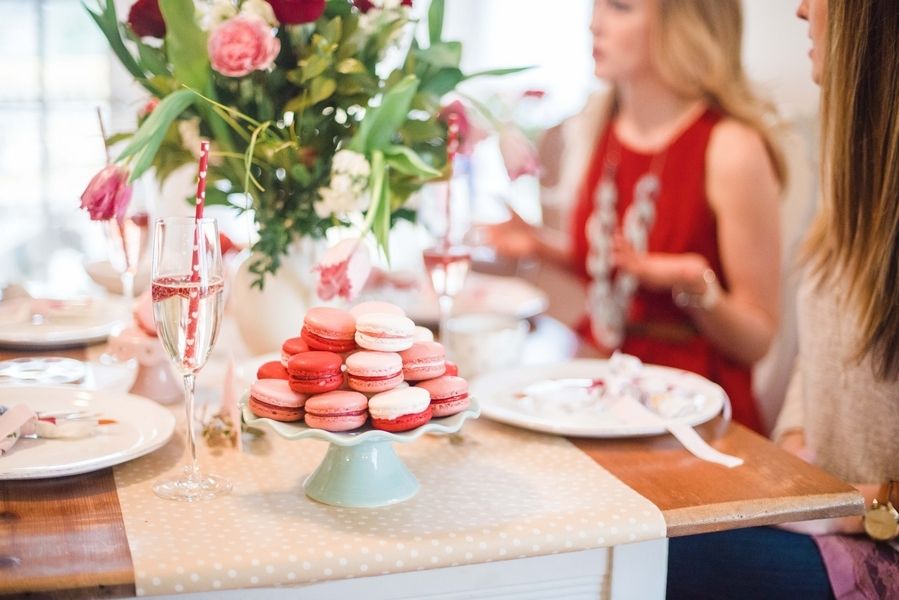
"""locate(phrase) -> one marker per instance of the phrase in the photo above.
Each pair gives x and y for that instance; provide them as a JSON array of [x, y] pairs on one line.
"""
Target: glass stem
[[128, 286], [446, 309], [189, 383]]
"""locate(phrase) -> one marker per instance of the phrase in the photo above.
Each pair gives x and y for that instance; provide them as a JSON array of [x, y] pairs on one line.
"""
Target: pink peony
[[108, 194], [469, 132], [343, 270], [519, 155], [241, 45], [294, 12]]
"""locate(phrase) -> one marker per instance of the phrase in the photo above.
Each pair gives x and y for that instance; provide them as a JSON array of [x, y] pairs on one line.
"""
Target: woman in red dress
[[675, 229]]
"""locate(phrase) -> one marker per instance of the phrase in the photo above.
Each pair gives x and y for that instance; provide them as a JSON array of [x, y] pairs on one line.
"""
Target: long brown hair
[[698, 53], [855, 238]]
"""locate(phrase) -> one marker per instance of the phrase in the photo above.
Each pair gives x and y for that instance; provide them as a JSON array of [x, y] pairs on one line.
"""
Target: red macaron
[[330, 329], [272, 370], [292, 346], [315, 372]]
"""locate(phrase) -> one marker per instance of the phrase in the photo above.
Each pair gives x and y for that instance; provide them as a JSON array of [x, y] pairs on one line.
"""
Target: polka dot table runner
[[501, 493]]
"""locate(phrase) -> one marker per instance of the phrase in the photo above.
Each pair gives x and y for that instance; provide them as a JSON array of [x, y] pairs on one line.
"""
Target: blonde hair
[[697, 51], [856, 235]]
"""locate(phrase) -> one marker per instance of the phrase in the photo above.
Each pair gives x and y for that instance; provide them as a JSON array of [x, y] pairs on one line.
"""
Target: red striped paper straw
[[195, 257]]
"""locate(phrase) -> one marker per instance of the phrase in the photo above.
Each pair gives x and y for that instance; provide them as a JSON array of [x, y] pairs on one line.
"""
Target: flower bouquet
[[321, 113]]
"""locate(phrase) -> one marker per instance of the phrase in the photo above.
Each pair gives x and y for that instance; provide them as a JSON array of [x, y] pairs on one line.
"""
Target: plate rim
[[75, 337], [101, 462], [502, 414]]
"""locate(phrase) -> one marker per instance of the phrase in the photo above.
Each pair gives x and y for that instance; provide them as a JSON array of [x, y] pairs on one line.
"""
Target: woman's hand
[[793, 441], [515, 238], [660, 272]]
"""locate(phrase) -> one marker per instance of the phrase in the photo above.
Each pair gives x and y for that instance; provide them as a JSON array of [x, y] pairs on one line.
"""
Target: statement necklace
[[609, 297]]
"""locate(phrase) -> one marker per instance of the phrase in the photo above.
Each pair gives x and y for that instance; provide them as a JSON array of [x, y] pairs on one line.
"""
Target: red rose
[[145, 19], [366, 5], [293, 12]]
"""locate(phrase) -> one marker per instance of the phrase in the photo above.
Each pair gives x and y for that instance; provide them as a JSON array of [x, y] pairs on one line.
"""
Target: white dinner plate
[[142, 426], [562, 412], [105, 374], [65, 326], [511, 296]]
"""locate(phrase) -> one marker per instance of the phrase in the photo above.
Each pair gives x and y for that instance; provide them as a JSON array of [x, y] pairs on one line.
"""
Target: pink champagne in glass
[[447, 267], [173, 298]]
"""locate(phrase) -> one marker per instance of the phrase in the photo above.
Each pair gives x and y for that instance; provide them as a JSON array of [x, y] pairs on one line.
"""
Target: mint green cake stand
[[360, 468]]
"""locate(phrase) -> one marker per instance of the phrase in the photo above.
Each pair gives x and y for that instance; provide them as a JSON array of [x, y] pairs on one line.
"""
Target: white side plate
[[142, 426]]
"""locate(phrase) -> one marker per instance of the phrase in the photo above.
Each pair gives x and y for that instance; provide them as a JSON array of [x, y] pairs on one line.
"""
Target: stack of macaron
[[347, 366]]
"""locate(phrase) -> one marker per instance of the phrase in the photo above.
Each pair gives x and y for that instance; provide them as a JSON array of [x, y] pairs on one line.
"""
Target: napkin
[[14, 423]]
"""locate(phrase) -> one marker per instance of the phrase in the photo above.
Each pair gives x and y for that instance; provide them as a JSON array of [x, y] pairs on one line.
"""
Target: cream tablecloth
[[503, 493]]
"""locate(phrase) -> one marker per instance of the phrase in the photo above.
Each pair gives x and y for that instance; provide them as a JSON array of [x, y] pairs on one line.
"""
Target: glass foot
[[192, 487]]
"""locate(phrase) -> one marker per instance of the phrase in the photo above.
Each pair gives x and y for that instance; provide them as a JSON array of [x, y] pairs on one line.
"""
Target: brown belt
[[678, 333]]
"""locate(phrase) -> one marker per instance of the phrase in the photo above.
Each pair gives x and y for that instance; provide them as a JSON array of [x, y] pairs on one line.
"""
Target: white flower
[[261, 9], [351, 163], [347, 191], [215, 12]]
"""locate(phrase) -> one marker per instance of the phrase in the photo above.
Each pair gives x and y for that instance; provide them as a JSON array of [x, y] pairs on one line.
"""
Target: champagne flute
[[448, 259], [188, 298], [127, 240]]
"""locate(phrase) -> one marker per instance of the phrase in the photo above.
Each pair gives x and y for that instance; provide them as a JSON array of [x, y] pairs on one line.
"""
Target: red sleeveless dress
[[684, 222]]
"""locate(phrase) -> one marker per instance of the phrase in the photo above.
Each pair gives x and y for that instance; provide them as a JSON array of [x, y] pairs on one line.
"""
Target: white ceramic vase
[[269, 316]]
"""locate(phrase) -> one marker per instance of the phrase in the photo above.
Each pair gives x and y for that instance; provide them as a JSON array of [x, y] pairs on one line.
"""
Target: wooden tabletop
[[67, 534]]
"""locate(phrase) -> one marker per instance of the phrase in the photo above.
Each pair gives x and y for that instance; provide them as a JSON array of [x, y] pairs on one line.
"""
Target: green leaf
[[498, 72], [381, 122], [379, 212], [444, 81], [435, 21], [152, 58], [407, 161], [314, 66], [441, 54], [333, 29], [147, 139], [349, 66], [321, 89], [108, 22], [185, 43]]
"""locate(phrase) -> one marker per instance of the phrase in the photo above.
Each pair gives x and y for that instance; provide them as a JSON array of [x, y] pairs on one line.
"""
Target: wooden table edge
[[722, 516]]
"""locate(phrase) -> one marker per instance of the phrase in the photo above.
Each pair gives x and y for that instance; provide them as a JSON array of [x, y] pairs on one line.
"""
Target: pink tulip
[[343, 270], [469, 132], [108, 194], [519, 154], [241, 45]]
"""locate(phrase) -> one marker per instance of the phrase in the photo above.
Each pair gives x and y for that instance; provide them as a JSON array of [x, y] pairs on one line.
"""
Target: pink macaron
[[374, 372], [340, 410], [384, 332], [331, 329], [292, 346], [366, 308], [449, 394], [424, 360], [400, 409], [273, 399]]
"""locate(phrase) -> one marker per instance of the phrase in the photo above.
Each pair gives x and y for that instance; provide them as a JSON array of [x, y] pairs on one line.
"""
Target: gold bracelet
[[706, 300], [881, 521]]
